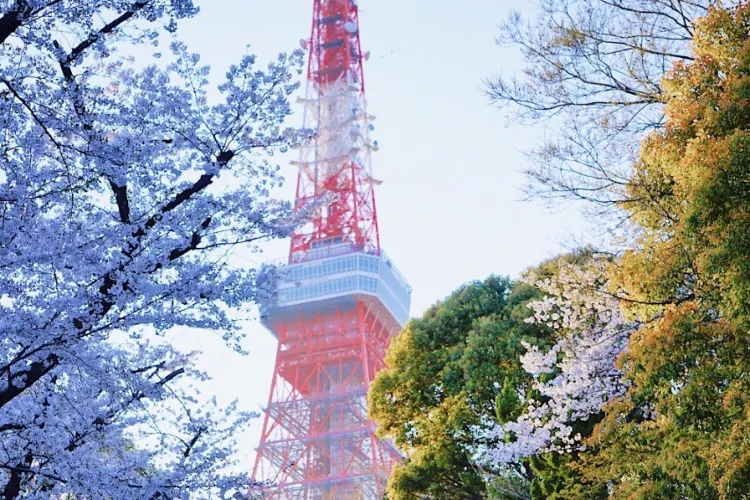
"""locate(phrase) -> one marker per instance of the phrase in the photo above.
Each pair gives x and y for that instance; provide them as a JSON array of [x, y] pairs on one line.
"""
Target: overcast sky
[[449, 208]]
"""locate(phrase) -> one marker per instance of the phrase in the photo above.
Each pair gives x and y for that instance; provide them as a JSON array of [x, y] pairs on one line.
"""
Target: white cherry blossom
[[121, 191], [592, 332]]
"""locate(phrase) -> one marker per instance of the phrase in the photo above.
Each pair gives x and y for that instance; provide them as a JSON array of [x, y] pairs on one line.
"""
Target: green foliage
[[507, 403], [446, 372], [556, 478]]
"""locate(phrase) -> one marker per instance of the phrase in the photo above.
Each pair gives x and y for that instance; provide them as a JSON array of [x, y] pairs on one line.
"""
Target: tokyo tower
[[340, 299]]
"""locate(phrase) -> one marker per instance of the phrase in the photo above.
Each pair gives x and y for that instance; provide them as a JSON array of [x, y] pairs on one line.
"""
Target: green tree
[[446, 372], [684, 428]]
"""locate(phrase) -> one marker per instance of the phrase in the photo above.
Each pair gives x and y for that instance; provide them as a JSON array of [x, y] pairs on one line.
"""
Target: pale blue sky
[[449, 206]]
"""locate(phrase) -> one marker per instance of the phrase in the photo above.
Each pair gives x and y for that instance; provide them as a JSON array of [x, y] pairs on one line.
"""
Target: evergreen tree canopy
[[446, 372]]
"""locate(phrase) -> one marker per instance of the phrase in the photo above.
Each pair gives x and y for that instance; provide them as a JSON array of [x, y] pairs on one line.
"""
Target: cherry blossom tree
[[122, 188], [576, 376]]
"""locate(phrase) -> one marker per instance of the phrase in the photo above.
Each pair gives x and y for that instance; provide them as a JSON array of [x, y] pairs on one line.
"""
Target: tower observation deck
[[340, 299]]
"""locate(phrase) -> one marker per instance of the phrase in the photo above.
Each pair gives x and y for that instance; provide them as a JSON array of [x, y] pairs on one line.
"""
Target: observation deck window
[[326, 242]]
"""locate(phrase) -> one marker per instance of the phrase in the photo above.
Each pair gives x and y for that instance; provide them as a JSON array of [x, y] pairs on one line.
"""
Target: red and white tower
[[340, 299]]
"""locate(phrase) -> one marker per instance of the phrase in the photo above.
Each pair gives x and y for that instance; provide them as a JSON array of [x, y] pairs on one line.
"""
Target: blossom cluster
[[576, 376]]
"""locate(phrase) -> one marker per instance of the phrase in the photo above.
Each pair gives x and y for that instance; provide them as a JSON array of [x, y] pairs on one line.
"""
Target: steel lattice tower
[[340, 299]]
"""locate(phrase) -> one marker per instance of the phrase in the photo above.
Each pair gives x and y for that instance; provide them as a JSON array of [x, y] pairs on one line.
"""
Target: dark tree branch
[[12, 20], [13, 487], [195, 240], [170, 377], [94, 37], [28, 377], [192, 442], [202, 183], [121, 198], [11, 427]]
